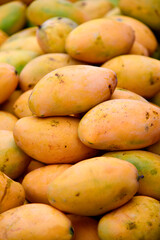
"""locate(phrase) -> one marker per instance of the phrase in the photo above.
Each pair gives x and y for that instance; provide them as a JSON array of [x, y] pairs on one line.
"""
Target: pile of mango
[[80, 120]]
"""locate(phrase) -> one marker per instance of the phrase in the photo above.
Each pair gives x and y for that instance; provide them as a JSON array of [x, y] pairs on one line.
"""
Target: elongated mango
[[71, 90], [138, 125], [51, 140], [139, 74], [94, 186], [12, 17], [148, 166]]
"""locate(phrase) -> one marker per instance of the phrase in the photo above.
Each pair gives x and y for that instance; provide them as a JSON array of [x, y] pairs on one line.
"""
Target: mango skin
[[8, 81], [140, 119], [121, 93], [94, 9], [145, 81], [71, 90], [17, 58], [94, 186], [13, 161], [40, 11], [143, 34], [148, 165], [84, 227], [90, 42], [21, 108], [41, 65], [12, 17], [24, 33], [11, 193], [57, 135], [7, 121], [35, 221], [41, 177], [146, 11], [138, 219], [155, 148], [52, 34], [7, 106]]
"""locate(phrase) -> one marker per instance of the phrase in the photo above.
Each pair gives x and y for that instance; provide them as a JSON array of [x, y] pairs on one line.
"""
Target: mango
[[139, 74], [146, 11], [7, 106], [143, 34], [39, 11], [35, 221], [52, 34], [51, 140], [71, 90], [38, 67], [7, 121], [17, 58], [99, 40], [11, 194], [148, 166], [121, 93], [20, 107], [27, 43], [27, 32], [94, 9], [138, 219], [94, 186], [155, 148], [12, 17], [8, 81], [41, 177], [139, 49], [84, 227], [13, 161], [138, 125]]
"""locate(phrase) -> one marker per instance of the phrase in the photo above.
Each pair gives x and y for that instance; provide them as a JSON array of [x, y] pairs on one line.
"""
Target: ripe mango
[[7, 106], [7, 121]]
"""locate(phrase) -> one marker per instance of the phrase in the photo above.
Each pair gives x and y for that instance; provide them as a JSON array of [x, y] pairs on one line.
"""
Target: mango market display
[[79, 120]]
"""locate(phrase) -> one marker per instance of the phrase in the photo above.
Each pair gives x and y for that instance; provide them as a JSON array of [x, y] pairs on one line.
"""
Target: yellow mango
[[148, 166], [94, 186], [25, 43], [13, 161], [41, 65], [155, 148], [35, 221], [120, 124], [8, 81], [7, 121], [99, 40], [71, 90], [7, 106], [143, 10], [27, 32], [121, 93], [11, 194], [51, 140], [85, 228], [143, 34], [138, 219], [17, 58], [139, 74], [52, 34], [94, 8], [21, 108], [139, 49], [12, 16], [39, 11], [41, 177]]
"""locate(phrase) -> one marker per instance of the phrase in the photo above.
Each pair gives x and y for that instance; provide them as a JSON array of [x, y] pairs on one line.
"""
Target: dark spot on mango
[[59, 18], [100, 208], [156, 113], [54, 123], [71, 230], [131, 225], [53, 200], [59, 77], [157, 13], [110, 89], [90, 143], [77, 194], [151, 124], [151, 80], [30, 85], [146, 128], [147, 115], [149, 223], [39, 26], [153, 171], [65, 146], [52, 59]]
